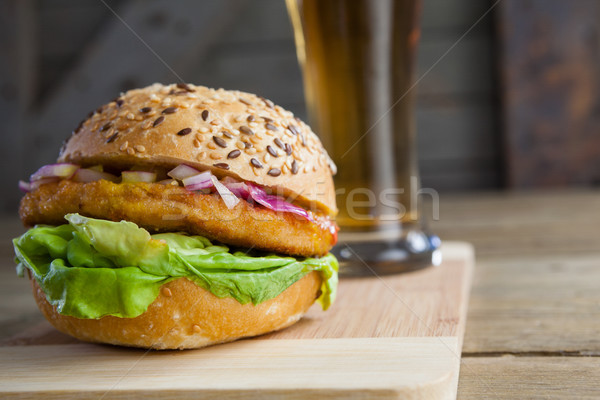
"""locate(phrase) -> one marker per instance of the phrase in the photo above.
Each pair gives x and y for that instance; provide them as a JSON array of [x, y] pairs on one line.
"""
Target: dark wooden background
[[551, 75], [512, 104]]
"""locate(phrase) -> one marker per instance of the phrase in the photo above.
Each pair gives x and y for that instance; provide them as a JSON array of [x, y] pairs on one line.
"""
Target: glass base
[[384, 253]]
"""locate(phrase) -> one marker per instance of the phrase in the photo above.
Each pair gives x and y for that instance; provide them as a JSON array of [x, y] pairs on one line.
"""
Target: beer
[[358, 61]]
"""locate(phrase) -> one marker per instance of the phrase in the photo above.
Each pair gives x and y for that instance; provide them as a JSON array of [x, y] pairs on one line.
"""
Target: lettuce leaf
[[90, 268]]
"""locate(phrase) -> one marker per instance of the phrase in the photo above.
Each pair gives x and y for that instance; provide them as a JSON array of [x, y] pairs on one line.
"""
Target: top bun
[[228, 132]]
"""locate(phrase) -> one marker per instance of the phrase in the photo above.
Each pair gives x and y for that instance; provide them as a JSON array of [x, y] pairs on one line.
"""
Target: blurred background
[[505, 100]]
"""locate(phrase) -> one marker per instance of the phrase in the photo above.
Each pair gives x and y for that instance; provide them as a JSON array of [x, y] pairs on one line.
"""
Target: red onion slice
[[36, 184], [138, 176], [200, 186], [182, 171], [240, 189], [61, 170], [276, 203], [25, 186], [229, 198], [202, 180], [92, 175]]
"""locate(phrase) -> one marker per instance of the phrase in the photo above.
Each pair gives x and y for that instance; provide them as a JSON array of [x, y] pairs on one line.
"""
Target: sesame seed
[[255, 163], [246, 102], [250, 118], [144, 110], [201, 155], [130, 116], [266, 158], [268, 102], [130, 151], [215, 156], [158, 121], [166, 102], [169, 110], [302, 140], [274, 172], [293, 129], [219, 141], [279, 143], [247, 145], [211, 146], [154, 98], [272, 151], [167, 292], [255, 139], [238, 118], [267, 119], [234, 154], [184, 131], [240, 145], [214, 122], [221, 165], [112, 138], [295, 167], [185, 87], [250, 151], [204, 129], [204, 115], [271, 127], [246, 130], [196, 329], [196, 143], [147, 124], [124, 146], [199, 137], [105, 126], [139, 148], [288, 149]]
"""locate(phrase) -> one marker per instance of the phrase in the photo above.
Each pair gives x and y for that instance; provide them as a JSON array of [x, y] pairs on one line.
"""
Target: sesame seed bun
[[228, 132], [185, 316]]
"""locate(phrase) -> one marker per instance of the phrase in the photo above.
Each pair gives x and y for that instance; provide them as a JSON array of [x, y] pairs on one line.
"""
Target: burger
[[179, 216]]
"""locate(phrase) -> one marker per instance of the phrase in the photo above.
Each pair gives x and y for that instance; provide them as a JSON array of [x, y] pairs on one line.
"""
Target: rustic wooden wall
[[551, 64], [62, 58]]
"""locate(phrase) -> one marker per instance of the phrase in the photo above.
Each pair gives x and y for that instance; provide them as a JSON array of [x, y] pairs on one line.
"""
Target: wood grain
[[547, 378], [536, 304], [327, 368]]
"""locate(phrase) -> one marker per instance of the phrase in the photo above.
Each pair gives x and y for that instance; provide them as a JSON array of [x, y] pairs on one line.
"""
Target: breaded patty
[[166, 208]]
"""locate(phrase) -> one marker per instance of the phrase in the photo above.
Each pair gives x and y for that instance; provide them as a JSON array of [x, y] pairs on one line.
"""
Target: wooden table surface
[[533, 327]]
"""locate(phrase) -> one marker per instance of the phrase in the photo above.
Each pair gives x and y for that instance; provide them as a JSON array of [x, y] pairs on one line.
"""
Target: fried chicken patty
[[165, 208]]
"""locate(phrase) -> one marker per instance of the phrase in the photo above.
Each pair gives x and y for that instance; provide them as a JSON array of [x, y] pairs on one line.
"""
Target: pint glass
[[358, 60]]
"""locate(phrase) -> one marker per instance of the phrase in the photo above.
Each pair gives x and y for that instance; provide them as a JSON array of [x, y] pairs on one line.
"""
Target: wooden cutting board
[[384, 338]]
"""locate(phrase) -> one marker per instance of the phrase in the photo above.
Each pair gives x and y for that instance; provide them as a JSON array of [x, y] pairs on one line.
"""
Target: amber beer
[[358, 60]]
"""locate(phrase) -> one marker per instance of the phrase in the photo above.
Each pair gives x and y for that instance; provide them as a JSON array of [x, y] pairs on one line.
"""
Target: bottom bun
[[186, 316]]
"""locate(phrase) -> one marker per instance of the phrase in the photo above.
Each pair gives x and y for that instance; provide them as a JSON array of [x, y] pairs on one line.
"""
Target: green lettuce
[[90, 268]]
